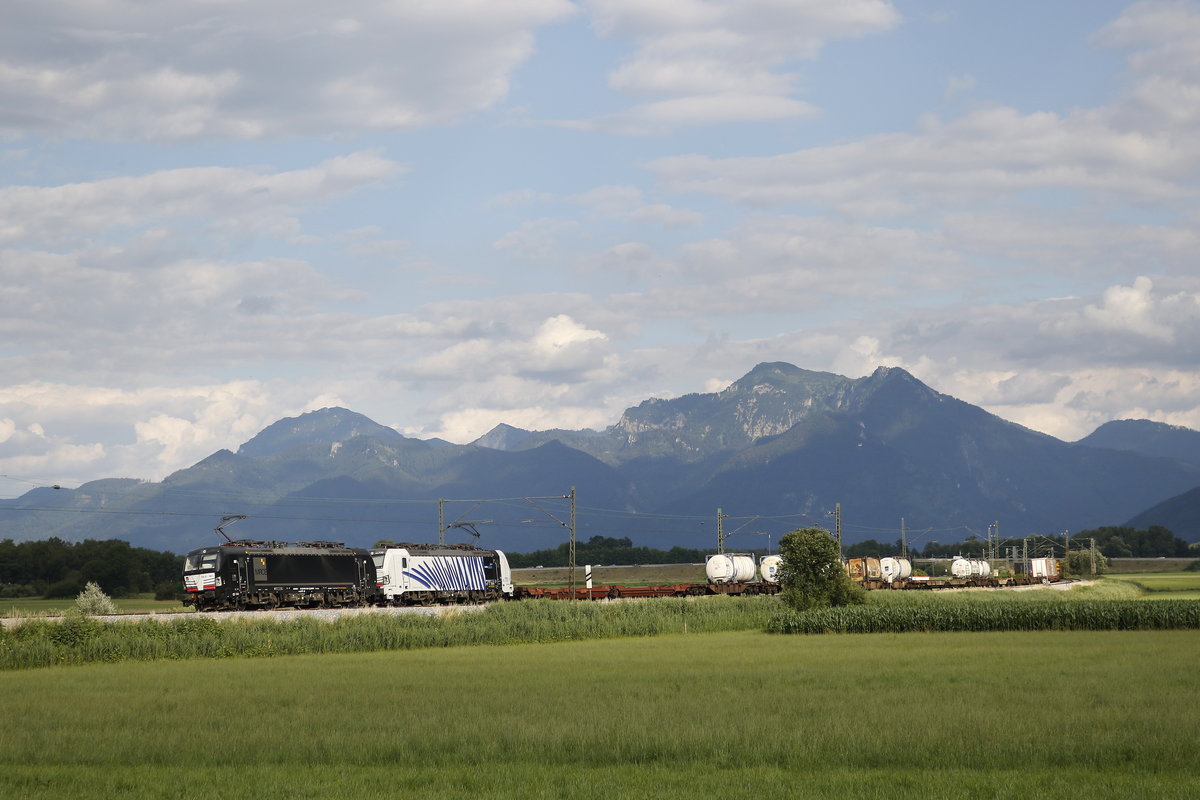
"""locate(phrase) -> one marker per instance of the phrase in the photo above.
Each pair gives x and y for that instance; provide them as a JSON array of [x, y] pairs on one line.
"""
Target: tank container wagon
[[768, 568], [264, 575], [971, 569], [866, 571], [894, 569], [427, 574], [729, 568]]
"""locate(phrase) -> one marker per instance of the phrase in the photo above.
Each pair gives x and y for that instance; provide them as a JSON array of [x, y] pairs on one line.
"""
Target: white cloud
[[720, 62], [191, 68], [241, 199], [71, 433]]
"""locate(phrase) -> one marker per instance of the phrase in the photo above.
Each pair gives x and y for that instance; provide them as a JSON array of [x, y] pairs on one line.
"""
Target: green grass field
[[986, 715], [38, 607], [1163, 584]]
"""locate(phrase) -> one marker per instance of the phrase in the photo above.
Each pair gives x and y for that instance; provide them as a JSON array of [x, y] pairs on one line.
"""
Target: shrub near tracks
[[1040, 615]]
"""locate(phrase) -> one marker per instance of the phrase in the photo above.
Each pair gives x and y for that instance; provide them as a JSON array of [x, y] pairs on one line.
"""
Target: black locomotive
[[247, 574]]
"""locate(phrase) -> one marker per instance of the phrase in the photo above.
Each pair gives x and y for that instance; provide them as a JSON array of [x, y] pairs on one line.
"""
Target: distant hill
[[1179, 514], [1148, 438], [776, 450]]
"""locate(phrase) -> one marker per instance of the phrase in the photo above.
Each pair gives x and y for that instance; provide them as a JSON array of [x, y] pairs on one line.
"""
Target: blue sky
[[446, 215]]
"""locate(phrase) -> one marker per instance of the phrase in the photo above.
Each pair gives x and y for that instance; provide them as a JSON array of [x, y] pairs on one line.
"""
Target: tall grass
[[81, 640]]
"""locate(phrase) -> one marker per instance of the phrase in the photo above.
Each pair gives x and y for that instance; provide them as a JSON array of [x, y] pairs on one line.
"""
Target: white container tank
[[970, 568], [768, 568], [730, 568], [895, 569]]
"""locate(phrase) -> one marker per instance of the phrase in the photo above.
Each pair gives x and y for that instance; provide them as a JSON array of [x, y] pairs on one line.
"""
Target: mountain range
[[778, 449]]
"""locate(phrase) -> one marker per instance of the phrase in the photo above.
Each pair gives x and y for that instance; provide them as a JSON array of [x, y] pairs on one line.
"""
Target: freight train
[[897, 573], [726, 573], [244, 575]]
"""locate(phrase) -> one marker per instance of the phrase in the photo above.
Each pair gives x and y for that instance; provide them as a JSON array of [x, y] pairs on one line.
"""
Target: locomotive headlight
[[220, 581]]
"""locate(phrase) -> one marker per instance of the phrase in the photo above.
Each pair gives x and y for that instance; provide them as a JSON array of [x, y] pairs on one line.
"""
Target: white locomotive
[[426, 574]]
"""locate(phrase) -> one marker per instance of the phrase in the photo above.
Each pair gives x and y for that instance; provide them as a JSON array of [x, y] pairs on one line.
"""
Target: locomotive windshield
[[197, 561]]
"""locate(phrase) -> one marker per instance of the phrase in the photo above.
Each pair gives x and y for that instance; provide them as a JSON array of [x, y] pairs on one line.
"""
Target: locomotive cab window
[[197, 561]]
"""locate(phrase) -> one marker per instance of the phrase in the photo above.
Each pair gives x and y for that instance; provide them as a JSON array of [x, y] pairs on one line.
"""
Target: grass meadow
[[983, 715], [1164, 584], [41, 607]]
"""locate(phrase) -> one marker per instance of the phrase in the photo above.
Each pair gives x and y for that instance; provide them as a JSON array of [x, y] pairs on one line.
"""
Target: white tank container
[[895, 569], [730, 568], [768, 568], [890, 568], [970, 568]]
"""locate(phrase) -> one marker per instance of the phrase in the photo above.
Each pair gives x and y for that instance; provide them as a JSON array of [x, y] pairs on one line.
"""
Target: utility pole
[[572, 547], [1093, 554], [1066, 553], [720, 532], [903, 540], [441, 521], [837, 524]]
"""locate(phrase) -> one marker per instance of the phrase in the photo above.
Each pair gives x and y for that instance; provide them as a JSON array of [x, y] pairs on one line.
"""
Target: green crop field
[[983, 715], [1163, 584]]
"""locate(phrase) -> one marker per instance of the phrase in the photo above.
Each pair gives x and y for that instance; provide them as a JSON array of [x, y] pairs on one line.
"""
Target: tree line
[[58, 568], [1111, 541]]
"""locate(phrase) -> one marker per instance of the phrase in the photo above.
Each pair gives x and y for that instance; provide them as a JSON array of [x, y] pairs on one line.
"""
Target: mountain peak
[[1147, 437], [323, 425], [502, 437], [783, 376]]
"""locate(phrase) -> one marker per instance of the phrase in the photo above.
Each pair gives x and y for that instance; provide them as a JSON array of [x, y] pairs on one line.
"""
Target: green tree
[[811, 574], [1080, 563]]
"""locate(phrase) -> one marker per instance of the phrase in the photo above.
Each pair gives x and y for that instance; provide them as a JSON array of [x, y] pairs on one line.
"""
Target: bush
[[92, 601], [167, 590], [1080, 563], [811, 573]]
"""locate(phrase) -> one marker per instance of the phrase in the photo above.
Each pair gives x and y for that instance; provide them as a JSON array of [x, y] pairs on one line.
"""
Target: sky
[[450, 214]]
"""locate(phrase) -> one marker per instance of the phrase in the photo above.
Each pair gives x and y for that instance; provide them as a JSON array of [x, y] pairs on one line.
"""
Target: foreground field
[[1052, 714]]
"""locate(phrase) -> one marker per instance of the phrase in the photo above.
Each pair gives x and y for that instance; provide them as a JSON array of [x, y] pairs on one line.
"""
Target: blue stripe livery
[[449, 574]]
